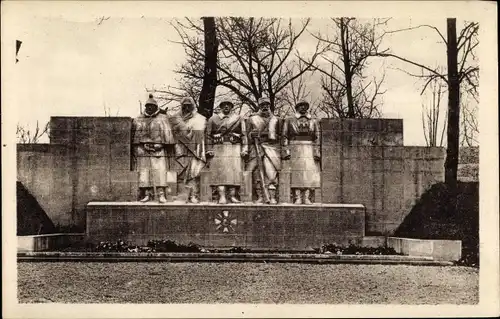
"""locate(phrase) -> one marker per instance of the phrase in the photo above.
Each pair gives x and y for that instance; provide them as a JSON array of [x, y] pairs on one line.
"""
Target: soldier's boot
[[188, 189], [222, 194], [232, 195], [260, 199], [298, 197], [272, 195], [161, 195], [307, 197], [193, 198], [145, 196]]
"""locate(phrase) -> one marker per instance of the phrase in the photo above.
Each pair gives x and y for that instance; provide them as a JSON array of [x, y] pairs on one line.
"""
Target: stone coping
[[52, 235], [221, 254], [226, 257], [181, 203]]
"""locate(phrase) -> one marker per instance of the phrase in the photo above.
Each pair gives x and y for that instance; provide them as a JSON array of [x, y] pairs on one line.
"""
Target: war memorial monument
[[256, 182]]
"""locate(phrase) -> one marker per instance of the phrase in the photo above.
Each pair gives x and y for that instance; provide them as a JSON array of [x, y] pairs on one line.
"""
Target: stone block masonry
[[380, 173], [88, 158], [287, 227]]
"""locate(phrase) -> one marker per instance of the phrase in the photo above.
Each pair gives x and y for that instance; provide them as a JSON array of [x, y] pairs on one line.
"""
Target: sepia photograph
[[260, 154]]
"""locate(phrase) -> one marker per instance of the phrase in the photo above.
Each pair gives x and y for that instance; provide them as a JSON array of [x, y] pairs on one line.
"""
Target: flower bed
[[170, 246], [357, 250]]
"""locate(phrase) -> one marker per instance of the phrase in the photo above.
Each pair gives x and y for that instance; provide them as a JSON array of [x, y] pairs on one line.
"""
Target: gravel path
[[245, 283]]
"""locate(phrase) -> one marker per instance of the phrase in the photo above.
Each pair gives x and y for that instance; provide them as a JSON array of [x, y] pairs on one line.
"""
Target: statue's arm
[[198, 136], [285, 150], [133, 145], [317, 140], [244, 132], [273, 129], [244, 137], [209, 146]]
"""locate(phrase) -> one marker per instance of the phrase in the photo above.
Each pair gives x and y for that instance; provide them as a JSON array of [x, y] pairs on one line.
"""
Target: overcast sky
[[77, 67]]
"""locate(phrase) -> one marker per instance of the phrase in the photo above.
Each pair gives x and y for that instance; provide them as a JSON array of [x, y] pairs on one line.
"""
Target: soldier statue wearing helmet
[[225, 135], [190, 148], [153, 150], [262, 152], [301, 145]]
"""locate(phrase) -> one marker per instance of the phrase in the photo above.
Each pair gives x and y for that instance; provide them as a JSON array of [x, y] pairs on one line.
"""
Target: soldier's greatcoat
[[190, 147], [225, 135], [268, 128], [152, 163], [301, 140]]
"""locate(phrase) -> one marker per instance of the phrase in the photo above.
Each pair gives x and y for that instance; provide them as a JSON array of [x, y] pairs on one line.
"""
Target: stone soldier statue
[[225, 135], [190, 131], [301, 145], [262, 152], [153, 147]]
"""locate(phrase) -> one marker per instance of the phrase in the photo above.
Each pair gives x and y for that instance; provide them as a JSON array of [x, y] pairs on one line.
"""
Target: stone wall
[[45, 173], [468, 164], [88, 159], [380, 173], [363, 162]]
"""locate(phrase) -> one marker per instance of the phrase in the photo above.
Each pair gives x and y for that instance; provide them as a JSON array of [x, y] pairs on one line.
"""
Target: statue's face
[[226, 108], [187, 108], [265, 108], [302, 108], [151, 108]]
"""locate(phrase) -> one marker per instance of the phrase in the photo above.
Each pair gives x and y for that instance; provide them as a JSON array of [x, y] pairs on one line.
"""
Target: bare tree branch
[[26, 136], [345, 89], [431, 115], [418, 27], [257, 56], [434, 72]]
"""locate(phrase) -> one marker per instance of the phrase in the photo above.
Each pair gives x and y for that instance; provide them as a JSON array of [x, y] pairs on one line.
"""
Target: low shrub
[[170, 246], [356, 250]]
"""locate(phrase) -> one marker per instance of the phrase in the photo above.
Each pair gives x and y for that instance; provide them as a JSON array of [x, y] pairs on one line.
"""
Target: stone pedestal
[[273, 227]]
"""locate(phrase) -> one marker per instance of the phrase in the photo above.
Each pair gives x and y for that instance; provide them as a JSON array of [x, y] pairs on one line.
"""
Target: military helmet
[[187, 100], [263, 100], [302, 102], [226, 102], [151, 100]]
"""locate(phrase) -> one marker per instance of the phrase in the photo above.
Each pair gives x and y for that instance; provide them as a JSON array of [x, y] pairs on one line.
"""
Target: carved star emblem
[[224, 222]]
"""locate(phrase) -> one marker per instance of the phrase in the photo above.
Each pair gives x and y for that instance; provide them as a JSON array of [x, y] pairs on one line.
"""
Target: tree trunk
[[344, 38], [207, 94], [453, 129]]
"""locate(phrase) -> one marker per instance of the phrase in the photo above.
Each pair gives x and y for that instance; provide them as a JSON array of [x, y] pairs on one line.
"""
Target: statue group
[[240, 158]]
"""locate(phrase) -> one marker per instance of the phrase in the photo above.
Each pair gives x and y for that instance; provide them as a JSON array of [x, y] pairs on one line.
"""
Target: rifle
[[260, 165]]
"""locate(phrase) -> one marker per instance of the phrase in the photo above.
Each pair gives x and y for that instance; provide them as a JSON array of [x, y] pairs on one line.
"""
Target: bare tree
[[257, 56], [462, 74], [431, 116], [27, 136], [346, 90], [294, 93], [191, 73], [469, 128], [107, 110], [172, 94], [209, 86]]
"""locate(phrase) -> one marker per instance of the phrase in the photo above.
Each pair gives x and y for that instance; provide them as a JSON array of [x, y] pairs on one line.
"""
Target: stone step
[[226, 257]]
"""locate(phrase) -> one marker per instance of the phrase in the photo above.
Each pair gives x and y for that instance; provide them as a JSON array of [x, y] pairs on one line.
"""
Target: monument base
[[275, 227]]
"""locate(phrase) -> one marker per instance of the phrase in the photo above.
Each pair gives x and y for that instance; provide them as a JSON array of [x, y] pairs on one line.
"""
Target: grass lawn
[[74, 282]]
